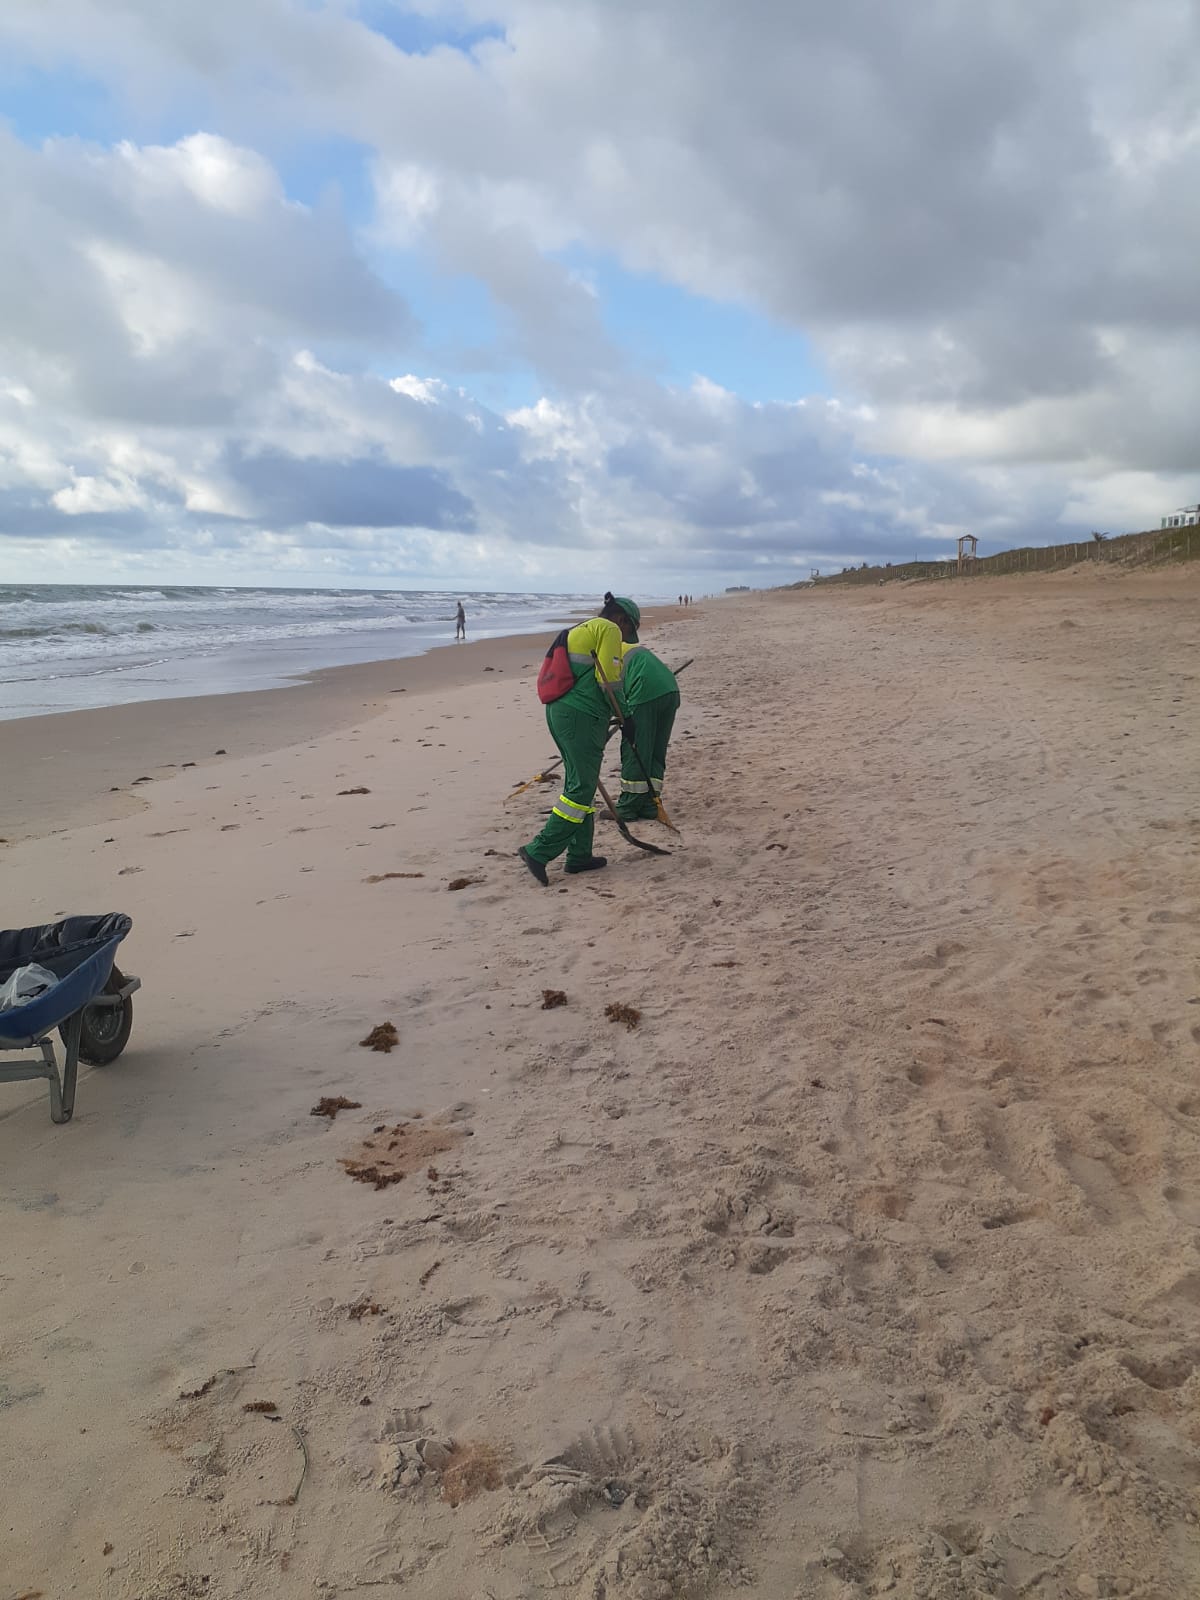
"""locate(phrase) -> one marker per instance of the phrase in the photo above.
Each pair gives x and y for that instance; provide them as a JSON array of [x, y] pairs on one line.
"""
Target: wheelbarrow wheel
[[105, 1030]]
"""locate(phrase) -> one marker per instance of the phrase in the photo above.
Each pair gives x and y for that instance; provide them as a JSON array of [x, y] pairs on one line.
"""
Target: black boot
[[536, 867], [592, 864]]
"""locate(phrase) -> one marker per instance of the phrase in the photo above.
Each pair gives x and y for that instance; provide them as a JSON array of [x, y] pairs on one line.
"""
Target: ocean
[[71, 648]]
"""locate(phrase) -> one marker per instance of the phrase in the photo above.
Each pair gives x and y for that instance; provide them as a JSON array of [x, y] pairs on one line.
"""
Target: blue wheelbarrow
[[89, 1003]]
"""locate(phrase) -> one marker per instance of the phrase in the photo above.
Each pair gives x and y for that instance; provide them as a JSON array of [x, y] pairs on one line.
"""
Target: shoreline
[[70, 769], [239, 667]]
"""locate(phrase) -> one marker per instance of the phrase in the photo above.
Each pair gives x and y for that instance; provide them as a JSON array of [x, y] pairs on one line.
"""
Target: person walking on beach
[[652, 695], [460, 624], [578, 723]]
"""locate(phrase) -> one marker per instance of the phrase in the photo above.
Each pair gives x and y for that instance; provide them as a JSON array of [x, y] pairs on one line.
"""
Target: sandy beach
[[865, 1264]]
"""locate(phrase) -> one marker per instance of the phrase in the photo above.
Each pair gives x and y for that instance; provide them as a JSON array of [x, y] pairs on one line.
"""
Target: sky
[[651, 295]]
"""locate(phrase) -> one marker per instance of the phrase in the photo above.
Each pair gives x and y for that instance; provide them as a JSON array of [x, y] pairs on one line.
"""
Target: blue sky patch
[[39, 105], [675, 334], [420, 35]]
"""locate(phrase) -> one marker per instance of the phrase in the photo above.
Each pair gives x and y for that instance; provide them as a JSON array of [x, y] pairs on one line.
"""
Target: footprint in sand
[[1169, 1371], [1008, 1218], [1184, 1204], [921, 1075], [1107, 1197]]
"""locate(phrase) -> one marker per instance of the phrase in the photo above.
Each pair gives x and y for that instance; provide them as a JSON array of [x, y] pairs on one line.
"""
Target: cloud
[[159, 284], [976, 212], [363, 492]]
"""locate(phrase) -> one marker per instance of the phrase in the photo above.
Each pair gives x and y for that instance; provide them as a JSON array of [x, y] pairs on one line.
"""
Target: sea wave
[[54, 630], [122, 642], [64, 629]]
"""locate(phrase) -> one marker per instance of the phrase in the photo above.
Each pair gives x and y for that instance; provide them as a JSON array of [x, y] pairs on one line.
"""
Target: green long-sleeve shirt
[[645, 676]]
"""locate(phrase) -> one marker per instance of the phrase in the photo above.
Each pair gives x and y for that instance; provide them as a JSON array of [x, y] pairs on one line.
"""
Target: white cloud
[[407, 197], [219, 174], [155, 302], [427, 390], [978, 213], [86, 493]]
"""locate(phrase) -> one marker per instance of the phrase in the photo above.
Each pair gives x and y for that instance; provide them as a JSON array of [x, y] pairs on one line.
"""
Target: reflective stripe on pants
[[569, 811]]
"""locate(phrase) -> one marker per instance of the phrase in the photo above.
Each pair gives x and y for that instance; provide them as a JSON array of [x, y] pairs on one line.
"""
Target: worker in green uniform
[[578, 723], [652, 698]]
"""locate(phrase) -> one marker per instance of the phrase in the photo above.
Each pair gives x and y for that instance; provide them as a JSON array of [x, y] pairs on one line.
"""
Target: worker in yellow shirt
[[577, 713]]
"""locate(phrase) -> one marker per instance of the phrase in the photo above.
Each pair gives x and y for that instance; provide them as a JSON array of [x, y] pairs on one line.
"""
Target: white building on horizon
[[1185, 517]]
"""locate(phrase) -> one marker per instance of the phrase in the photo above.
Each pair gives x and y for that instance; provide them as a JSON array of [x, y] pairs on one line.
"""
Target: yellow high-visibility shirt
[[604, 638]]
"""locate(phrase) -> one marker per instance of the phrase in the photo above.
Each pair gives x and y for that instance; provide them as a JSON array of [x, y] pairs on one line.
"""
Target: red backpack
[[556, 675]]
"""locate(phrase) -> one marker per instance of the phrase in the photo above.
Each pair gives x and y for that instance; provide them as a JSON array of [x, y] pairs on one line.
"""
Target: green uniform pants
[[652, 722], [571, 826]]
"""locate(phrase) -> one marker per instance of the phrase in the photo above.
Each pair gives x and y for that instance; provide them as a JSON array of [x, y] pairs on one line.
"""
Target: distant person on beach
[[652, 695], [577, 718], [460, 624]]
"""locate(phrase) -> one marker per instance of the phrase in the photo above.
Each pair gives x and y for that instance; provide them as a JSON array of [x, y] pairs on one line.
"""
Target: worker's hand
[[629, 730]]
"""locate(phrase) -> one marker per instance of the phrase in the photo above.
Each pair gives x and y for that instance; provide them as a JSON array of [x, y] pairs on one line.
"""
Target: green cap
[[629, 608]]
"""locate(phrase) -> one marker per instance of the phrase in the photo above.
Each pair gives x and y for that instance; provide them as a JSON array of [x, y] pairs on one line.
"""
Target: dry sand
[[866, 1264]]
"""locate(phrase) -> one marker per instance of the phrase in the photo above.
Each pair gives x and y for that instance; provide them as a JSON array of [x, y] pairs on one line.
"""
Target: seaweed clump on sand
[[382, 1037], [629, 1015], [402, 1149], [329, 1105], [470, 1470]]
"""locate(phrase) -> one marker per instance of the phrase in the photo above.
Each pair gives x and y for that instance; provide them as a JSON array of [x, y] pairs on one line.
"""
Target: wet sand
[[82, 766]]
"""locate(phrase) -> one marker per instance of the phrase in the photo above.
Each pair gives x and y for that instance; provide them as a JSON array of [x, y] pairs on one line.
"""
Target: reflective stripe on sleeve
[[577, 659]]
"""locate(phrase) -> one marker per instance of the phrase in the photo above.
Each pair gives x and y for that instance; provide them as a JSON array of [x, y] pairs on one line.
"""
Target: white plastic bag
[[25, 984]]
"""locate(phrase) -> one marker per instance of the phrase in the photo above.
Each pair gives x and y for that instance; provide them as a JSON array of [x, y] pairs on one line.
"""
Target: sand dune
[[865, 1264]]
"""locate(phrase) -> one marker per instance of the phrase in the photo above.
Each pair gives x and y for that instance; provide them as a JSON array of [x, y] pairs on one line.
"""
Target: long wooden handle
[[537, 778], [609, 692]]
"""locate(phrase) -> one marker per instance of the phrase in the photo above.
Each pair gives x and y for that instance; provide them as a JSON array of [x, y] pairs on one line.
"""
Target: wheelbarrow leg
[[62, 1093], [50, 1071]]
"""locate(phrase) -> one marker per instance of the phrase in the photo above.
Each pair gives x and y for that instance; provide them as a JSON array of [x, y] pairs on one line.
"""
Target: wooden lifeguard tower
[[966, 550]]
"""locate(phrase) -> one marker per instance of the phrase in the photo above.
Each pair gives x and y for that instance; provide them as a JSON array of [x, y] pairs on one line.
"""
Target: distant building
[[738, 588], [1185, 517]]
